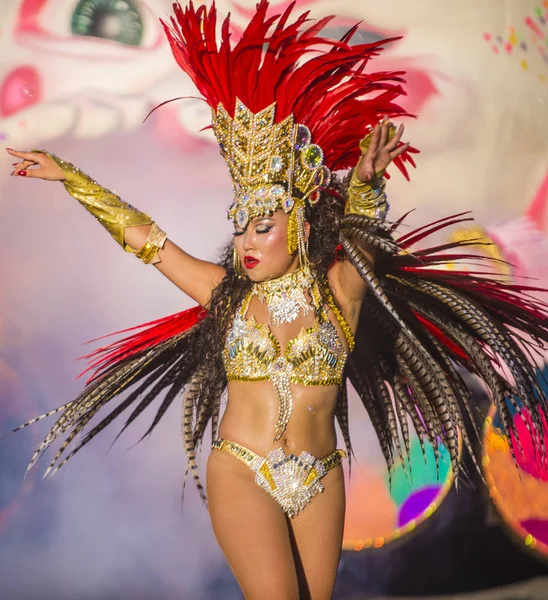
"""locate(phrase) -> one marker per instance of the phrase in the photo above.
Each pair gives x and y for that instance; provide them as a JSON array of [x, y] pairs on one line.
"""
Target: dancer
[[315, 289]]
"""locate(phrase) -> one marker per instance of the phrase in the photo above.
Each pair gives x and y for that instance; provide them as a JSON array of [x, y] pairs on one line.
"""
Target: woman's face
[[262, 247]]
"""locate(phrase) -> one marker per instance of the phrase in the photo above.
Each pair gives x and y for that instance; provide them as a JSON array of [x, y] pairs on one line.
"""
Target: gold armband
[[155, 241], [368, 198], [109, 209]]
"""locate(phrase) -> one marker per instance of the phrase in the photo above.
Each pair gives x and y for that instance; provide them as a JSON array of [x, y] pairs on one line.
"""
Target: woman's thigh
[[317, 534], [251, 529]]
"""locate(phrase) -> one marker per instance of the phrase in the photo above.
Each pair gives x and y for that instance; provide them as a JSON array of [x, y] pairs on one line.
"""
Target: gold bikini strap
[[244, 306], [247, 456], [315, 291], [241, 452], [342, 321]]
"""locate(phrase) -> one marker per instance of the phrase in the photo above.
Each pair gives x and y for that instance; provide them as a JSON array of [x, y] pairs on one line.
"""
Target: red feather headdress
[[281, 63]]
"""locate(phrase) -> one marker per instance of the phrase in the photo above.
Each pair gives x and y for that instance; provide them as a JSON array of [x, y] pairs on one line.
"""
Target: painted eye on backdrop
[[126, 23], [362, 36], [116, 20]]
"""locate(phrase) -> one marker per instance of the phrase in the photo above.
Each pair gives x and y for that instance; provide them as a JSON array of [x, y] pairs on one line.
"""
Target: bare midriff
[[252, 410]]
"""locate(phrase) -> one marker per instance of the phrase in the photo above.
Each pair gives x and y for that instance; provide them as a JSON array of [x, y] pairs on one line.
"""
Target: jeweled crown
[[272, 165]]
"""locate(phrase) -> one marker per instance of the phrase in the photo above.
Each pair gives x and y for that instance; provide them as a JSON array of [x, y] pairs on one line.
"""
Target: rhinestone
[[322, 177], [288, 204], [242, 217], [304, 137], [277, 164], [312, 157], [279, 364], [277, 192], [314, 197]]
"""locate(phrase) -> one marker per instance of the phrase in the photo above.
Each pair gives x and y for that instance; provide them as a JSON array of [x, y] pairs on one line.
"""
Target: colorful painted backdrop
[[78, 77]]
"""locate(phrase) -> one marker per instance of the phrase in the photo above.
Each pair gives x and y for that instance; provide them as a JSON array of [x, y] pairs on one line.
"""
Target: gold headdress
[[273, 166], [269, 162]]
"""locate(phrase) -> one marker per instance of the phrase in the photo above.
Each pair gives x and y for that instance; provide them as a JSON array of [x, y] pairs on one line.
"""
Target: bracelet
[[366, 199], [155, 241]]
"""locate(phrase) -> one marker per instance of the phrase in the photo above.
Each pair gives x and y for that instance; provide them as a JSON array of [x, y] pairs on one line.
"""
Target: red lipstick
[[250, 262]]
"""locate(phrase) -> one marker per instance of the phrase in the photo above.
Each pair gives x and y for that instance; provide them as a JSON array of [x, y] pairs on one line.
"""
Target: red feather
[[320, 81], [157, 332], [438, 333]]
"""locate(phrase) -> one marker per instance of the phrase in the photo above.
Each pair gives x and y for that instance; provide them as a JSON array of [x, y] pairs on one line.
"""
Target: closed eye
[[261, 229]]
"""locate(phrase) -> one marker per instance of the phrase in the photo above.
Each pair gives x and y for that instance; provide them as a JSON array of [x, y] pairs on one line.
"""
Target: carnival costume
[[288, 110]]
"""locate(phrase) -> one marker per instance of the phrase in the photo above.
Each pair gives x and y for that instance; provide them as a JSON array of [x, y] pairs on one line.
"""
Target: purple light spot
[[500, 39], [523, 46], [3, 136], [538, 528], [418, 502]]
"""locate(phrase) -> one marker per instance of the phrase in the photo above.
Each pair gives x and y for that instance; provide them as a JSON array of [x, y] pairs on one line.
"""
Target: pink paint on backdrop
[[529, 460], [538, 528], [172, 134], [28, 15], [21, 88], [538, 207], [534, 27]]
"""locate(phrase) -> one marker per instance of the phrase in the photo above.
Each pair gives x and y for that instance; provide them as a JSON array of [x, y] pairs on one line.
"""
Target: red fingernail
[[22, 173]]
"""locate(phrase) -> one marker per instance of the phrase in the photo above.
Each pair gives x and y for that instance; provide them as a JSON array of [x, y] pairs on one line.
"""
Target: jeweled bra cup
[[315, 356]]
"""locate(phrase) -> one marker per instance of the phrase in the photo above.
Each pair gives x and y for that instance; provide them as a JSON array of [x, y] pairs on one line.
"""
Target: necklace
[[286, 296]]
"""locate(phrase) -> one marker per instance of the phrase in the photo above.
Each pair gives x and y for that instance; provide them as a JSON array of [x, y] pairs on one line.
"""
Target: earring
[[236, 263]]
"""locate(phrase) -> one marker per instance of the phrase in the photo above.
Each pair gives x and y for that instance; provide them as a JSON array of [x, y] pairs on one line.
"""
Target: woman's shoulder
[[348, 303]]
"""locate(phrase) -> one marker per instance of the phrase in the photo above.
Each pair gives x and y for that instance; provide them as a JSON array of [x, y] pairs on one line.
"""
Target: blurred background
[[78, 77]]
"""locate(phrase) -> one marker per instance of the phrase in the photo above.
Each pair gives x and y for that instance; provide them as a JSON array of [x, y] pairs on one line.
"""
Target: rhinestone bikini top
[[316, 356]]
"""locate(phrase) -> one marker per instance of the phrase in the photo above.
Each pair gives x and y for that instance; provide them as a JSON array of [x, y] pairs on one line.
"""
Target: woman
[[294, 308]]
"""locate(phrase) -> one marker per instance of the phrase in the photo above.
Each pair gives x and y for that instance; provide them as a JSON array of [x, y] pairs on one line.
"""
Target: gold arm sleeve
[[368, 198], [108, 208]]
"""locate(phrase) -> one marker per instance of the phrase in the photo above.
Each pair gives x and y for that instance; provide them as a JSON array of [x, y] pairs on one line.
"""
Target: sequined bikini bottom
[[291, 480]]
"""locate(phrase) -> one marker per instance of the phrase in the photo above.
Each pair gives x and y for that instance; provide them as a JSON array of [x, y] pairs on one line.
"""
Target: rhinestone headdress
[[273, 165], [286, 111]]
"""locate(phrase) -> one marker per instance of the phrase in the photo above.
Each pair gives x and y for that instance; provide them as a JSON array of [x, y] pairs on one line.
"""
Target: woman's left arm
[[365, 197]]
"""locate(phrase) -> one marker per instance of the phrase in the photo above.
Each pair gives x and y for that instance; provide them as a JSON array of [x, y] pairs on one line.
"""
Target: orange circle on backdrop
[[519, 492]]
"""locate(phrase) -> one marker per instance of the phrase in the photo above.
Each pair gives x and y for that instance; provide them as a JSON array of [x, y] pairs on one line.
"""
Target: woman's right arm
[[134, 230], [197, 278]]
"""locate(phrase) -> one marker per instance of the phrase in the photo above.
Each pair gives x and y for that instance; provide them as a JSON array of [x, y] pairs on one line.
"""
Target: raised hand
[[382, 148], [44, 167]]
